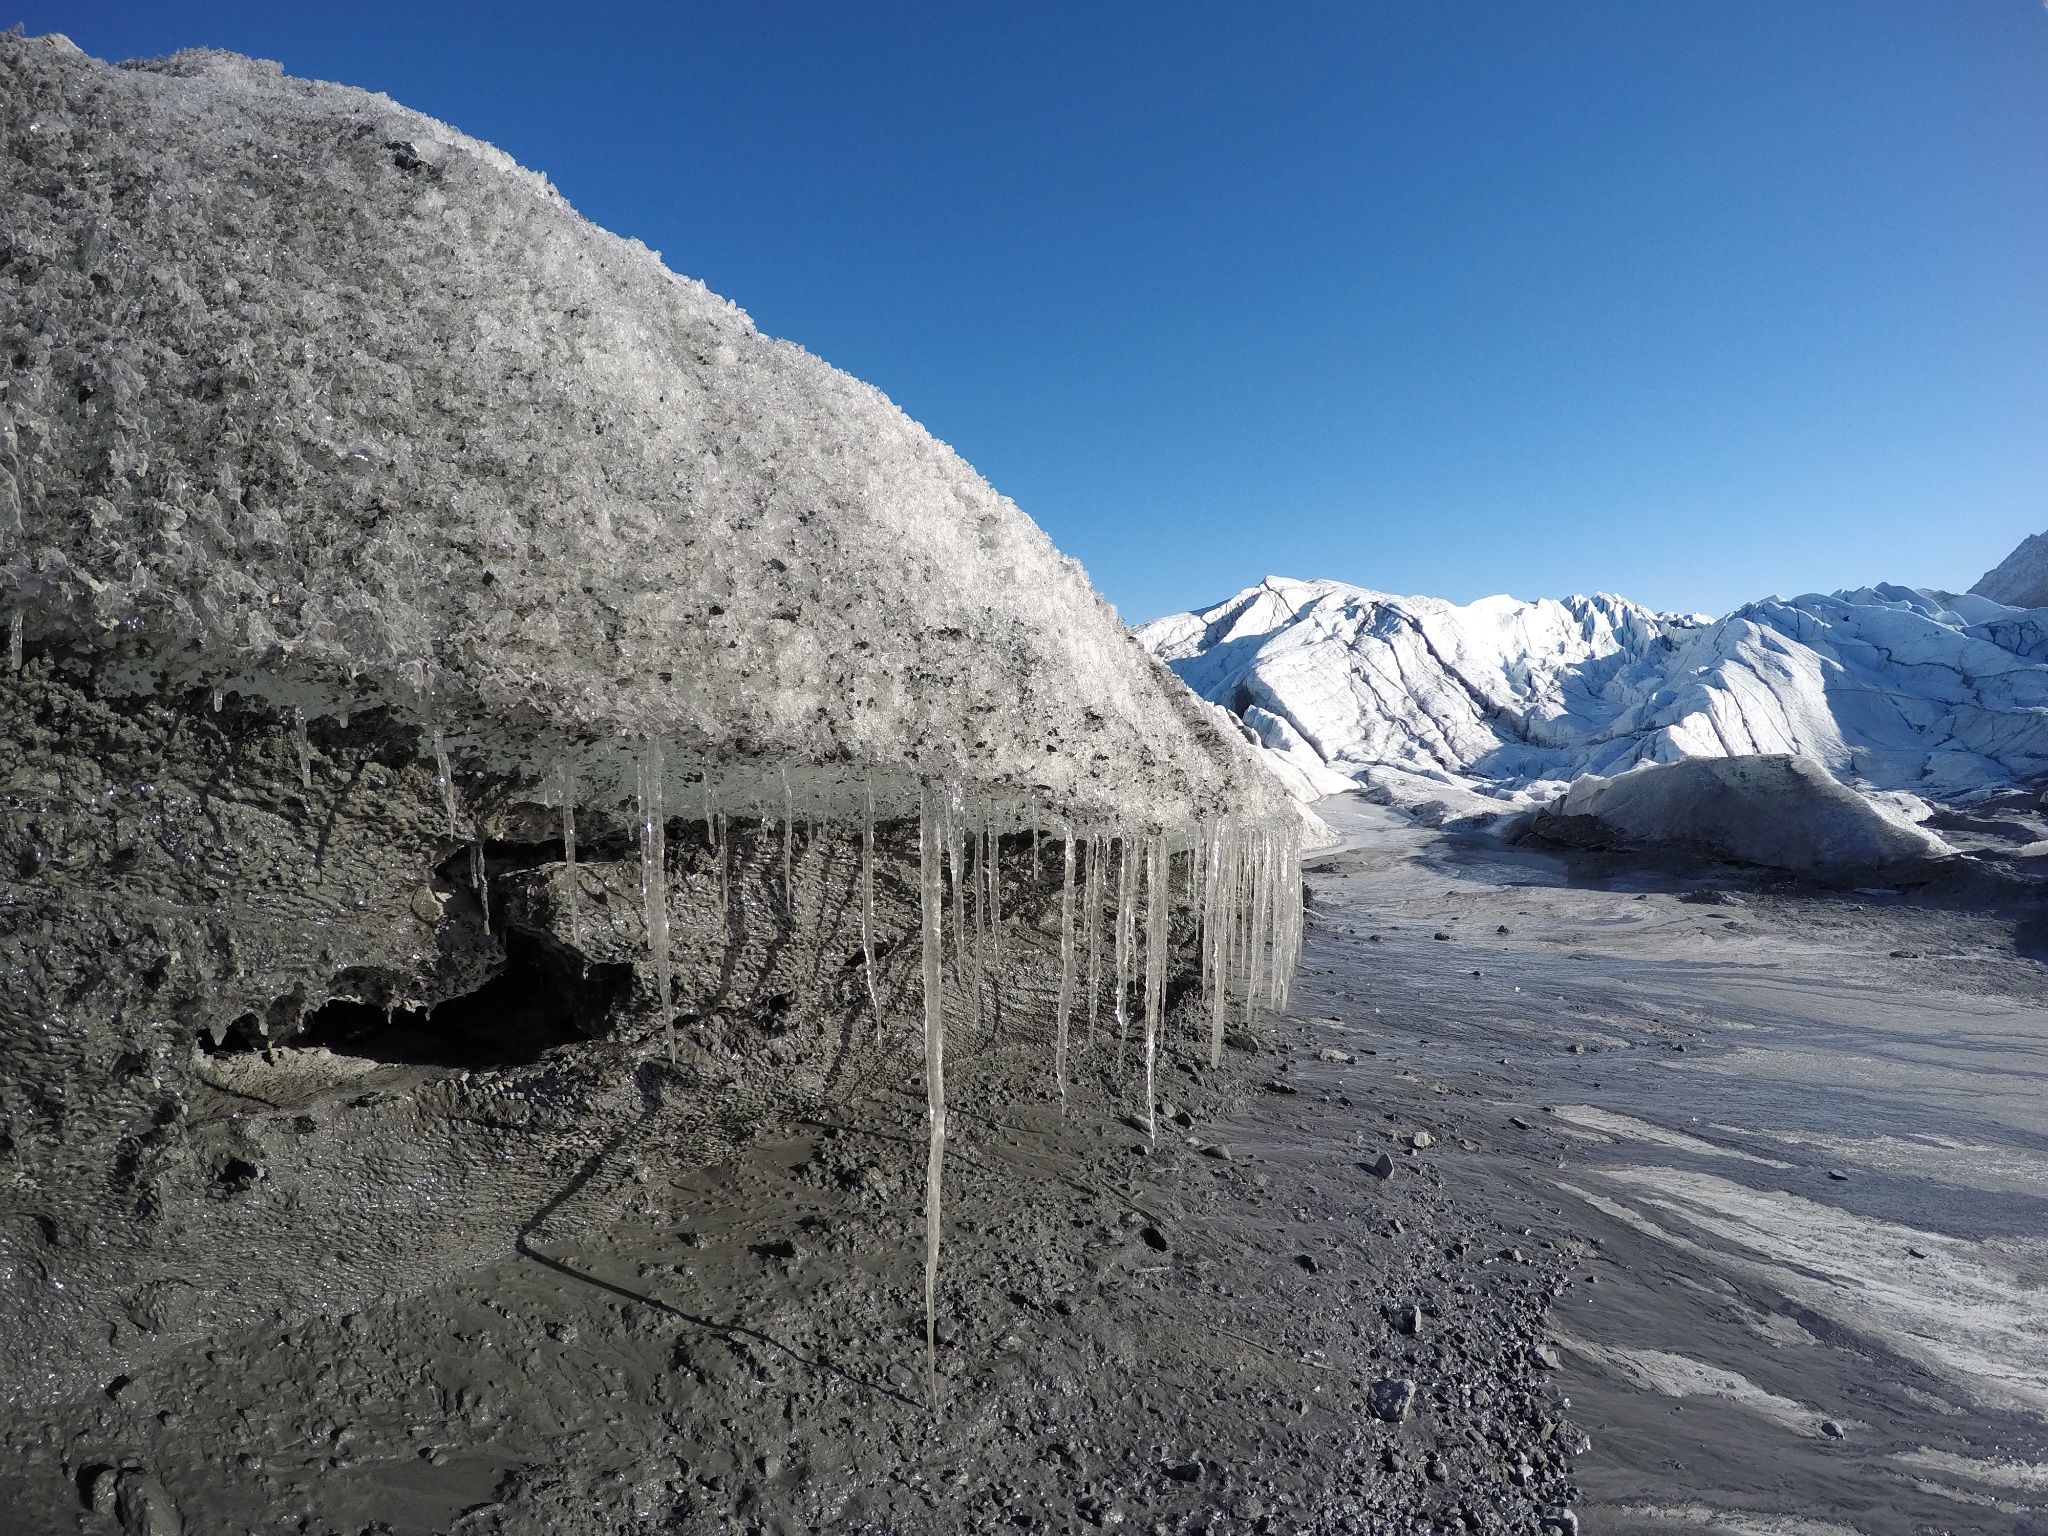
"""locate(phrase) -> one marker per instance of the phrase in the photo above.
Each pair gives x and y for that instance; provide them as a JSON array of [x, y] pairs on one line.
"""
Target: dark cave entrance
[[540, 999]]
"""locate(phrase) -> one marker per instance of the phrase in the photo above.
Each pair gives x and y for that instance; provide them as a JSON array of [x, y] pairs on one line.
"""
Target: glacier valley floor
[[1794, 1145]]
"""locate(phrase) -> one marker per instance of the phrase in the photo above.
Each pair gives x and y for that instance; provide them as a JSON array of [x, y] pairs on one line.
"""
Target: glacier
[[1900, 692]]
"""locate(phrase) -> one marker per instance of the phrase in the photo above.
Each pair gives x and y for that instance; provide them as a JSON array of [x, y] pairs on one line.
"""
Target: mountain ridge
[[1893, 689]]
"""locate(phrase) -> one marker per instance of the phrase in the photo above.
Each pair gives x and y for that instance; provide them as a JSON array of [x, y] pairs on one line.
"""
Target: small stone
[[1831, 1429], [1443, 936], [1516, 1120], [1438, 1469], [1154, 1239], [1561, 1523], [1220, 1153], [1390, 1399], [1421, 1139], [144, 1508], [1503, 928], [1577, 1049], [1276, 1086], [1381, 1167], [99, 1490], [1341, 1058], [426, 906], [1836, 1173], [1408, 1319], [1548, 1356]]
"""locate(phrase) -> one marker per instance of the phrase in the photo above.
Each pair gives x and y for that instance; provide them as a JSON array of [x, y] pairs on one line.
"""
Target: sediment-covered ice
[[1890, 689], [1781, 812]]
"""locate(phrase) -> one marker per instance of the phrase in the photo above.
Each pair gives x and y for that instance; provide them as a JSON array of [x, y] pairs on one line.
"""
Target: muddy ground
[[1799, 1139], [1727, 1219]]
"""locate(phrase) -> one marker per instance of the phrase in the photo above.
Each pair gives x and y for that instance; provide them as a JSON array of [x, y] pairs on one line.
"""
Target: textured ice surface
[[1887, 687], [310, 397]]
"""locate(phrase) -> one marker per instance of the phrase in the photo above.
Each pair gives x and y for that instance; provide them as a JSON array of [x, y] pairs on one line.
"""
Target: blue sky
[[1692, 302]]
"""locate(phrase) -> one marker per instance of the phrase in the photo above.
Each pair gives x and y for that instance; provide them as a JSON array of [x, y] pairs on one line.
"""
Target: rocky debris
[[1391, 1398]]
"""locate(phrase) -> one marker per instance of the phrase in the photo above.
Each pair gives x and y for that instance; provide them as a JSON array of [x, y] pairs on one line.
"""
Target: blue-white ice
[[1939, 695]]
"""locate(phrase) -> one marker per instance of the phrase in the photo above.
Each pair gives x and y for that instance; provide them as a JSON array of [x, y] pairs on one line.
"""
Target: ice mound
[[314, 399], [477, 705], [1888, 688], [1779, 811]]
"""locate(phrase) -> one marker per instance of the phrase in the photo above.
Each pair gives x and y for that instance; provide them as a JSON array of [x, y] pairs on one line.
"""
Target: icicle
[[1261, 871], [993, 844], [867, 904], [788, 835], [572, 882], [654, 884], [479, 877], [1034, 856], [442, 776], [930, 885], [1126, 937], [1092, 917], [217, 701], [1216, 938], [14, 641], [1066, 1002], [1158, 870], [966, 878], [305, 748]]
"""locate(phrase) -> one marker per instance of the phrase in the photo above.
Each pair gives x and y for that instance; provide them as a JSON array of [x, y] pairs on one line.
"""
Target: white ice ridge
[[1891, 689]]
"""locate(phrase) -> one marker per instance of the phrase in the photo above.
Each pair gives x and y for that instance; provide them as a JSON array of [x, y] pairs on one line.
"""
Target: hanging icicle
[[14, 641], [1066, 1002], [303, 747], [654, 884], [1216, 937], [443, 776], [565, 791], [1091, 916], [788, 835], [1157, 919], [480, 877], [1261, 894], [867, 903], [993, 845], [1125, 937], [934, 822]]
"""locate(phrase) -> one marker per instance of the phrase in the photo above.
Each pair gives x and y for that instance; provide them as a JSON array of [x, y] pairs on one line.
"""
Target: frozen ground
[[1794, 1145]]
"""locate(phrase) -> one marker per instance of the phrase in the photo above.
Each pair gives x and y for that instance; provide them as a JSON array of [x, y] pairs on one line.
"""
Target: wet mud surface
[[1686, 1204], [1800, 1142], [1176, 1336]]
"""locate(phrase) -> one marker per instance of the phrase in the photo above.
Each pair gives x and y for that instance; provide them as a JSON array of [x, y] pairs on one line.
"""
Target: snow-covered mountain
[[1940, 695]]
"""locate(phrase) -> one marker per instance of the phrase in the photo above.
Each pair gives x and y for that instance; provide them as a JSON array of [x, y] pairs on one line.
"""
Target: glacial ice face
[[314, 399], [1887, 687]]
